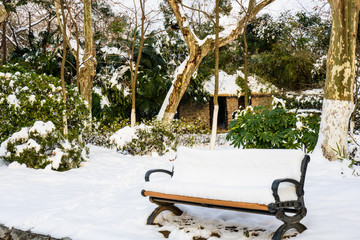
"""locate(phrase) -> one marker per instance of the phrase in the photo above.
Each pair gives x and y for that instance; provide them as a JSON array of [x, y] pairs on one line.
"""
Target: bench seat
[[206, 201], [240, 193]]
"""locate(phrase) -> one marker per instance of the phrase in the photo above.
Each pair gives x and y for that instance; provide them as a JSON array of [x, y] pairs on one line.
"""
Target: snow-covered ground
[[102, 200]]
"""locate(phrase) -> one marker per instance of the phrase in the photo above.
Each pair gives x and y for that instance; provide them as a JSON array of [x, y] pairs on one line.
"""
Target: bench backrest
[[237, 166]]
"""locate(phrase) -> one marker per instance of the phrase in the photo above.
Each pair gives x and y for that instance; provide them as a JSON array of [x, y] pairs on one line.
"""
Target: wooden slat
[[255, 206]]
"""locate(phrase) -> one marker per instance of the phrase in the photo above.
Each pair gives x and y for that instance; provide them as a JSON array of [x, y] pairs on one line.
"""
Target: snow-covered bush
[[100, 132], [154, 136], [42, 145], [149, 139], [26, 97], [27, 100], [309, 99], [262, 127]]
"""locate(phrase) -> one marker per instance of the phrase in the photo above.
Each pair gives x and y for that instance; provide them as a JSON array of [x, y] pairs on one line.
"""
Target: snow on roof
[[228, 86]]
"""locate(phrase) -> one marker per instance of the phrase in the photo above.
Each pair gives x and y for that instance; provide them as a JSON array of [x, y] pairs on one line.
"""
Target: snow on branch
[[233, 26], [32, 24]]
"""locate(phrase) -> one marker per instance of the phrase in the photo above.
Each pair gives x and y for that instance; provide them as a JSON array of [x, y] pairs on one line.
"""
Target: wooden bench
[[265, 181]]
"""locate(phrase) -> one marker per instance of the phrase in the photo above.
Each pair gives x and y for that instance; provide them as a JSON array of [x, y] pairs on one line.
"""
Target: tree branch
[[201, 11], [33, 24], [188, 34]]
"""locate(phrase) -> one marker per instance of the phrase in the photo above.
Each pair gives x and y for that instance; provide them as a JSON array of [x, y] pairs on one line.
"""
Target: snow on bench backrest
[[256, 167]]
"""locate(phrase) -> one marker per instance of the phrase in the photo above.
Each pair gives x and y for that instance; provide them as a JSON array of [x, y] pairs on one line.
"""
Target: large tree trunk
[[339, 86], [87, 70], [3, 13], [182, 80], [197, 52]]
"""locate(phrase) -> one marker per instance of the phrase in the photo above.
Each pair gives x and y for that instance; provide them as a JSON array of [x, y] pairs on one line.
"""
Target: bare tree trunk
[[196, 53], [62, 71], [246, 70], [3, 43], [3, 17], [29, 34], [87, 70], [340, 76], [76, 52], [216, 90], [134, 78]]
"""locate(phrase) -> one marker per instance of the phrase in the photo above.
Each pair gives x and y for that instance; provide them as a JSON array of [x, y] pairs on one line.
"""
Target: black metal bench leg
[[286, 226], [289, 223], [161, 208]]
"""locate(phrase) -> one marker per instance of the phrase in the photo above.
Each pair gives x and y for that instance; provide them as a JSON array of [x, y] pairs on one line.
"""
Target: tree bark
[[62, 71], [246, 70], [30, 34], [135, 73], [197, 52], [3, 20], [3, 13], [3, 43], [340, 77], [216, 89], [87, 70]]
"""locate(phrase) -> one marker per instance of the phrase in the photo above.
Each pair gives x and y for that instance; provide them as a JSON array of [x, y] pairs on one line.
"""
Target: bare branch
[[201, 11], [33, 24]]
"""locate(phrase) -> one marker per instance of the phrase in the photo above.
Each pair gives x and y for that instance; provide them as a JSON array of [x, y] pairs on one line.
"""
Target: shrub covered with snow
[[100, 132], [154, 136], [309, 99], [42, 145], [26, 97], [262, 127]]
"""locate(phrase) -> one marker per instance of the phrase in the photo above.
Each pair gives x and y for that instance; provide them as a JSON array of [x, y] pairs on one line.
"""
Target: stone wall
[[16, 234], [232, 104], [261, 100], [191, 112]]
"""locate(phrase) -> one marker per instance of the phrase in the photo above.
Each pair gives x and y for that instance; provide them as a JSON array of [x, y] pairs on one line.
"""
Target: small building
[[230, 99]]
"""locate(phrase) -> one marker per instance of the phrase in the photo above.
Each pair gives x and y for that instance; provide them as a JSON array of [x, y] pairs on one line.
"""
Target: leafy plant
[[26, 97], [100, 131], [161, 138], [262, 127], [43, 145], [151, 139], [302, 101]]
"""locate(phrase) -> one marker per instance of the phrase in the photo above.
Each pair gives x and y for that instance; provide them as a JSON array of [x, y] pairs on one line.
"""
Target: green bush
[[100, 131], [263, 127], [303, 101], [26, 97], [42, 145], [154, 136]]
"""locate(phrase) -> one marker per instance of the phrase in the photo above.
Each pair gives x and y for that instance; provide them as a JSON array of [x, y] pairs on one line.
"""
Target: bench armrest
[[276, 183], [148, 173]]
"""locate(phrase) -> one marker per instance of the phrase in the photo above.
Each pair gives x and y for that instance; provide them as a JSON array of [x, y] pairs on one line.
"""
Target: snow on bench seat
[[239, 175]]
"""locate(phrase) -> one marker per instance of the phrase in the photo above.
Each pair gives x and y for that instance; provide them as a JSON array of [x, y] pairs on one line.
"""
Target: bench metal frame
[[279, 209]]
